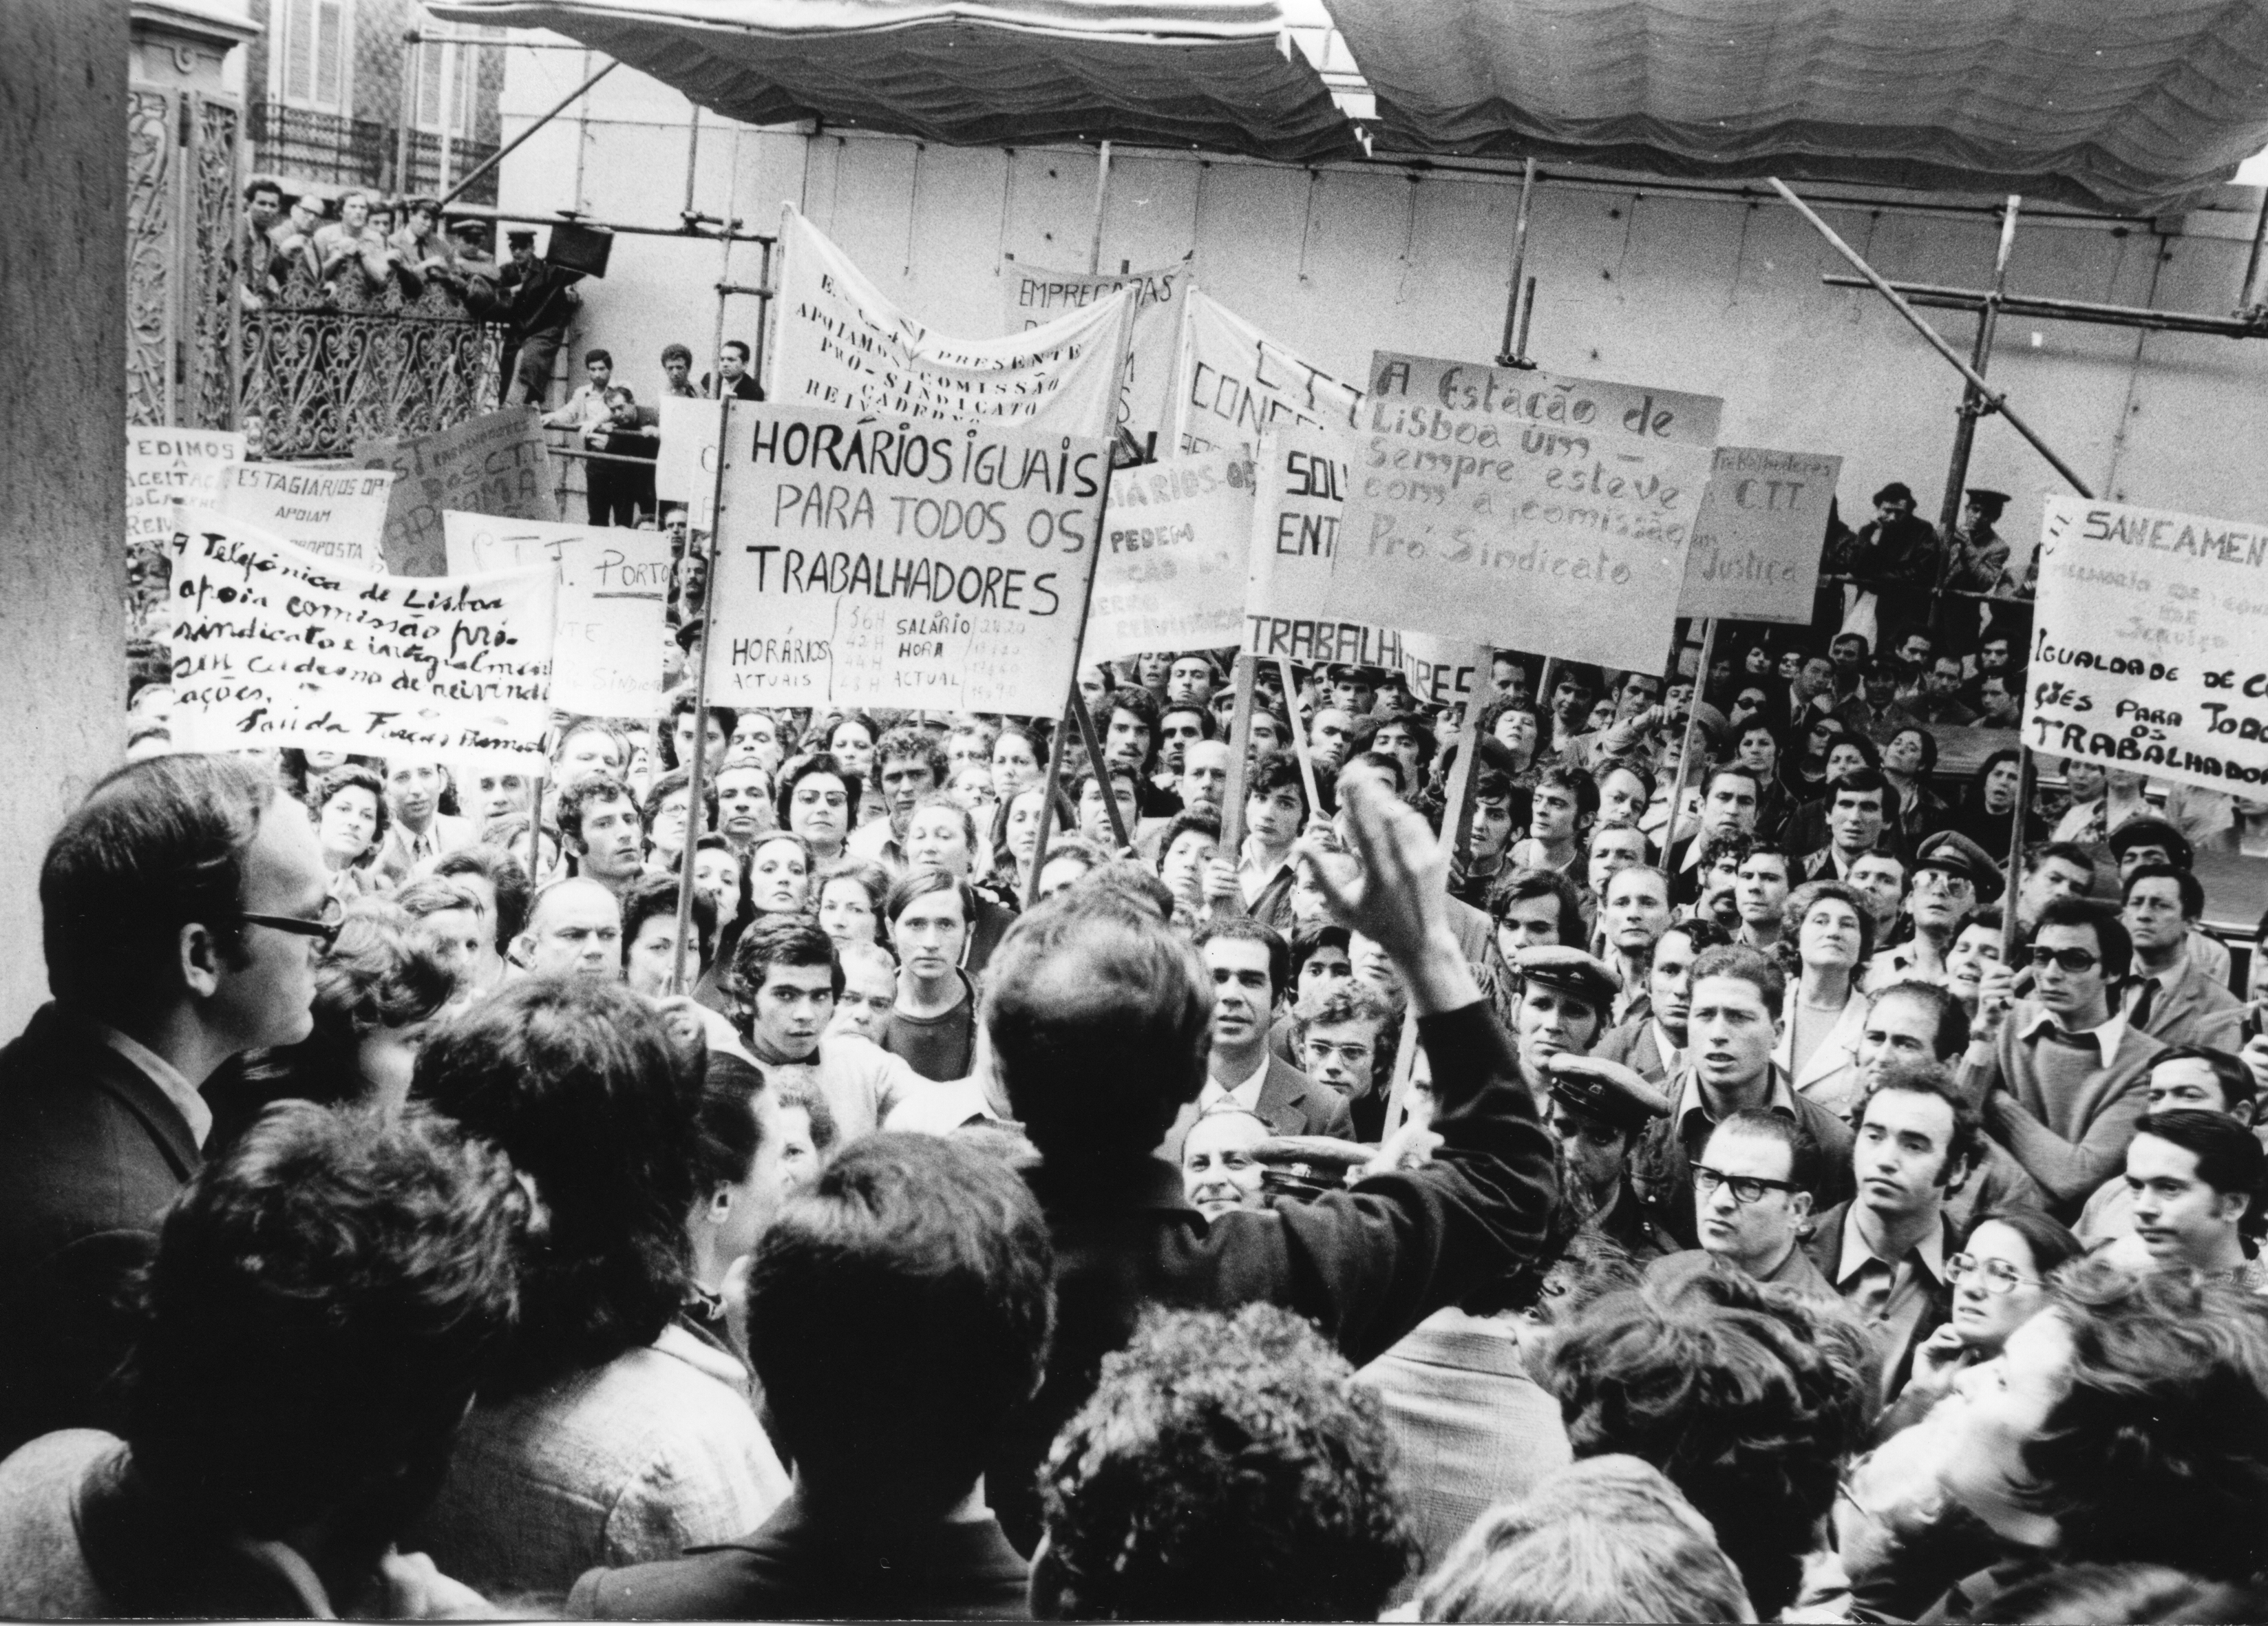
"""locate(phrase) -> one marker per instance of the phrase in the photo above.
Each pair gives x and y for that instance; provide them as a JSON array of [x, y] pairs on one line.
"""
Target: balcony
[[339, 150]]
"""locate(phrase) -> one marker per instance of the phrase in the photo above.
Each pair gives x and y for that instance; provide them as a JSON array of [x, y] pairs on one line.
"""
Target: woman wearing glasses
[[2000, 1282]]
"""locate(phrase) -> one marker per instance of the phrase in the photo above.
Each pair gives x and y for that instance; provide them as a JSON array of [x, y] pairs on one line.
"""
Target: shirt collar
[[1780, 1098], [1930, 1251], [1245, 1093], [1673, 1056], [2107, 1038], [170, 1081]]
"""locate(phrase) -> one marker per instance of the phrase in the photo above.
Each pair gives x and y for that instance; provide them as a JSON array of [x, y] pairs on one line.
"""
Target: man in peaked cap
[[2150, 840], [1566, 998], [1952, 875], [1597, 1111], [540, 300]]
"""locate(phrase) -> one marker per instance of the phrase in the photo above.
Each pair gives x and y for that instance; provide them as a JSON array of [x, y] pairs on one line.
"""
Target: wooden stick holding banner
[[1299, 738], [535, 835], [2018, 817], [1093, 743], [1052, 785], [1686, 748], [1074, 713], [697, 770], [1233, 794]]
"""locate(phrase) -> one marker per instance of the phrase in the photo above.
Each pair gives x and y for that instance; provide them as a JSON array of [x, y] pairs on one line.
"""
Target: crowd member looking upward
[[574, 929], [817, 798], [934, 1026], [1227, 1466], [910, 765], [610, 1434], [1651, 1375], [899, 1311], [599, 822], [1099, 981], [1608, 1539], [182, 905], [2062, 1082], [1651, 1042], [1825, 1015], [320, 1308], [1732, 1030]]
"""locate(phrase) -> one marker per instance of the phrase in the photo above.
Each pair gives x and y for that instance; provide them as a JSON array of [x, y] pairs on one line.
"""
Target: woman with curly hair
[[351, 820]]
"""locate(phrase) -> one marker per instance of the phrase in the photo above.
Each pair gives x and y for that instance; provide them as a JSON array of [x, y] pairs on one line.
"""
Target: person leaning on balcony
[[251, 259], [351, 243], [540, 300], [427, 254]]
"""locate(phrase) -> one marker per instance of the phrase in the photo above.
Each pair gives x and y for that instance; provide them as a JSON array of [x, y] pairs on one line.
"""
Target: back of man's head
[[1607, 1539], [579, 1083], [1226, 1467], [899, 1313], [1747, 1398], [1100, 1018], [157, 845], [325, 1299]]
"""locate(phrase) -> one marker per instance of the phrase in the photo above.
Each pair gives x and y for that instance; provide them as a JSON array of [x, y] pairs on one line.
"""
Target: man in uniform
[[540, 300], [1598, 1111]]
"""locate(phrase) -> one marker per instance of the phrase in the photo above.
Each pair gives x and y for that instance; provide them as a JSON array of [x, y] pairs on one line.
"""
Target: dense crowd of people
[[1014, 1198]]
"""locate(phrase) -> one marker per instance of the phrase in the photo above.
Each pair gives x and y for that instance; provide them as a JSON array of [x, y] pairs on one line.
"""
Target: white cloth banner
[[166, 465], [846, 346], [2148, 651], [1145, 395], [900, 563], [1172, 570], [337, 514], [614, 588], [1234, 383], [275, 647]]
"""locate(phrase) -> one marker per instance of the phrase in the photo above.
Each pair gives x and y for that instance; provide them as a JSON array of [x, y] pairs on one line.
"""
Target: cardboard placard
[[1759, 536], [1522, 509], [614, 593], [336, 514], [1172, 570], [2148, 651], [1035, 297], [275, 647], [164, 465], [494, 464], [902, 563], [685, 469]]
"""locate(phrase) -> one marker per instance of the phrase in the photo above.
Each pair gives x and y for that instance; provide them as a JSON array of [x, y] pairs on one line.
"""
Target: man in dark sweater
[[898, 1313], [1099, 1017]]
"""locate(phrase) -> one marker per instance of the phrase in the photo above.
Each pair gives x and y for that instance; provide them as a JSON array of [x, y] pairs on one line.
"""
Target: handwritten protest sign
[[845, 344], [614, 589], [1758, 538], [1521, 509], [1035, 297], [276, 647], [1233, 382], [339, 514], [166, 465], [1171, 573], [899, 563], [2147, 645], [494, 464], [685, 470]]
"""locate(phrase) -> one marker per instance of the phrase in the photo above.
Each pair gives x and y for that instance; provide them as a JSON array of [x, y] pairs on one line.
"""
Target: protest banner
[[1439, 671], [1233, 382], [166, 465], [337, 514], [685, 469], [1300, 481], [494, 464], [1760, 532], [614, 590], [899, 563], [844, 344], [1171, 573], [2146, 647], [276, 647], [1035, 296], [1515, 508]]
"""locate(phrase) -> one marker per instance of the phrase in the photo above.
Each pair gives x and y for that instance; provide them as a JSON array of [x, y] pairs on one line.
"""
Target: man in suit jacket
[[182, 904], [416, 828], [1250, 966], [1885, 1249]]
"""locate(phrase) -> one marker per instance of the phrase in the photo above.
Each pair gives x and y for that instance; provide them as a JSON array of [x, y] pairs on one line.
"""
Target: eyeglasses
[[2077, 961], [324, 928], [1746, 1188], [2000, 1276]]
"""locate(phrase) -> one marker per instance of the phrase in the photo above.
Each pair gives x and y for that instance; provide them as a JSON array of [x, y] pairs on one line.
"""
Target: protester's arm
[[2069, 1170]]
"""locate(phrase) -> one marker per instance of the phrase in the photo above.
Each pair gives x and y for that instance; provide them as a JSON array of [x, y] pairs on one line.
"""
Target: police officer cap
[[1896, 491], [1957, 855], [1606, 1091], [516, 238], [1986, 502], [1571, 971], [2149, 831]]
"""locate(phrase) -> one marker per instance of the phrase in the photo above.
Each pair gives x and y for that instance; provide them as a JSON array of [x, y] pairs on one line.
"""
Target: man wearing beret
[[1952, 876], [1894, 558], [1980, 553]]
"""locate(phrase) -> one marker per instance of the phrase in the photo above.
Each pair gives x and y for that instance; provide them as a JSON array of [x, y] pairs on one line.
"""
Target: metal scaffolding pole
[[512, 146]]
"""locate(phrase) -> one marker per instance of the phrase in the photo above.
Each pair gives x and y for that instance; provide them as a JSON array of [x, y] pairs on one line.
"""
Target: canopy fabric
[[2129, 105], [1216, 73]]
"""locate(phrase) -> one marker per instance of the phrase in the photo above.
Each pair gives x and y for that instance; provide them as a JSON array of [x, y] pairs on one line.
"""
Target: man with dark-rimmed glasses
[[2066, 1077], [182, 907], [1753, 1188]]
